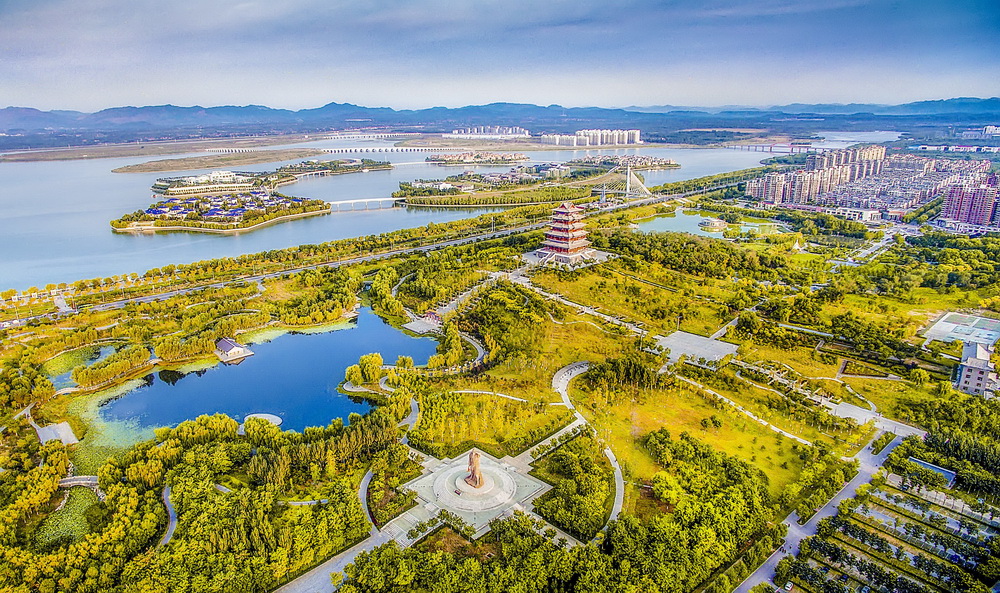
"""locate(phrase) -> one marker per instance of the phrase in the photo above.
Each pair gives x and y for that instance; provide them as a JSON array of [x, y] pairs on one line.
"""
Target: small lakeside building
[[229, 350]]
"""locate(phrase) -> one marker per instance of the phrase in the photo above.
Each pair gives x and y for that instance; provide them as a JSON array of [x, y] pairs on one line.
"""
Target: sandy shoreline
[[165, 147], [220, 161]]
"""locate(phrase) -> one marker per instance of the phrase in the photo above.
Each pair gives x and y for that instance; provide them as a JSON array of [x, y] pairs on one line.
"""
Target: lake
[[55, 228], [294, 376], [687, 221]]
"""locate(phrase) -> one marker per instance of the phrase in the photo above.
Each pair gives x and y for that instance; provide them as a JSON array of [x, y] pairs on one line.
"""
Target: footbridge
[[367, 203], [84, 481]]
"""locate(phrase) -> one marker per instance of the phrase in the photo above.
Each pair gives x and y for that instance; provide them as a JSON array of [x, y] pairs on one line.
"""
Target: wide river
[[54, 215]]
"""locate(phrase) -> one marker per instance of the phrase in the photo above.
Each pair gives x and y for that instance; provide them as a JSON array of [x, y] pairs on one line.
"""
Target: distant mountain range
[[171, 116], [25, 119], [962, 105]]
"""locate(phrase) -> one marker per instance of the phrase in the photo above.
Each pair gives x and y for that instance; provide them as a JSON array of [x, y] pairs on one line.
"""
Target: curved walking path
[[560, 383], [503, 395], [171, 518]]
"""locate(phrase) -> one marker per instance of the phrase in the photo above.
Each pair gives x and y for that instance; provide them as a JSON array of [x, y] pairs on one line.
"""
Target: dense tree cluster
[[823, 476], [698, 256], [508, 318], [975, 459], [244, 540], [539, 195], [115, 365], [626, 371], [21, 382], [720, 501], [578, 503]]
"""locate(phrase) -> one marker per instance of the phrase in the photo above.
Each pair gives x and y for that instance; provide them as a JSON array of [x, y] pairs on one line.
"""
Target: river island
[[228, 201]]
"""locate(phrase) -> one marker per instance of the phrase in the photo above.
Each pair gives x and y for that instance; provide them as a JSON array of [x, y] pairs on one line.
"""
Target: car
[[865, 589], [843, 578], [789, 586]]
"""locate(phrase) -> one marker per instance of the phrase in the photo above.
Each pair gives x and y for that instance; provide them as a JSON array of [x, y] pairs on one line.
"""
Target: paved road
[[560, 381], [862, 415], [171, 518], [869, 463], [494, 393]]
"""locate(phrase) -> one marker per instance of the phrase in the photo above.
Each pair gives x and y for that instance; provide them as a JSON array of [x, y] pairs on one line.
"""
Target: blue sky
[[91, 54]]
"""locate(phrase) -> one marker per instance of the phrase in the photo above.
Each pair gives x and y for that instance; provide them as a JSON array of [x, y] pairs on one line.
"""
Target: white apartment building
[[975, 374]]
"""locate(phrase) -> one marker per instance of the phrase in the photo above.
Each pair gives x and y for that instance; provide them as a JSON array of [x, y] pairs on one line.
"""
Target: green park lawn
[[618, 295], [801, 359], [495, 424], [69, 523], [680, 409], [572, 339], [887, 395]]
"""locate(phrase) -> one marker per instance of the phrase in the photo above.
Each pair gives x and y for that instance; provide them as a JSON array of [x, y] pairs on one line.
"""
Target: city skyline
[[62, 55]]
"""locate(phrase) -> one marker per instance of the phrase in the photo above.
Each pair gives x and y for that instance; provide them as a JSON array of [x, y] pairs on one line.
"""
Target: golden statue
[[475, 477]]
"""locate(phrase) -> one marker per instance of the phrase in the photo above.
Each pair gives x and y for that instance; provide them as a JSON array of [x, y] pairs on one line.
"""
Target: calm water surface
[[54, 215], [293, 376], [687, 221]]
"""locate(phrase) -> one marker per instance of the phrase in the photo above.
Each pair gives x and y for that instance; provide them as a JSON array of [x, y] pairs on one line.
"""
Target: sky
[[93, 54]]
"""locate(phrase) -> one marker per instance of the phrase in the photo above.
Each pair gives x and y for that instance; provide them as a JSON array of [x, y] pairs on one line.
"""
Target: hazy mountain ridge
[[172, 116], [968, 105]]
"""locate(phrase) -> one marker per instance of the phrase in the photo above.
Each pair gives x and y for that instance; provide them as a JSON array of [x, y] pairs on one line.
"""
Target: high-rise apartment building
[[823, 173], [971, 204]]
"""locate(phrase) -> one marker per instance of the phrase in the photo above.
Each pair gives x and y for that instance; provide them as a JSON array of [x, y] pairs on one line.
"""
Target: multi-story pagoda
[[566, 240]]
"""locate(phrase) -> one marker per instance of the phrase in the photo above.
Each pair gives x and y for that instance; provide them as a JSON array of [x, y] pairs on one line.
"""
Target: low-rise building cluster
[[955, 148], [519, 175], [221, 208], [636, 161], [477, 156], [982, 133], [488, 133], [214, 182], [593, 138]]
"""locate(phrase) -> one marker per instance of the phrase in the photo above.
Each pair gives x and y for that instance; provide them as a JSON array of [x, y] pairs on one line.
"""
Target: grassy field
[[619, 295], [680, 409], [575, 338], [445, 539], [802, 360], [216, 161], [886, 395], [133, 149], [495, 424]]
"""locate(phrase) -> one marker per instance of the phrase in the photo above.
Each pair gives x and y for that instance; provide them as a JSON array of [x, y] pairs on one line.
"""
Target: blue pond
[[294, 376]]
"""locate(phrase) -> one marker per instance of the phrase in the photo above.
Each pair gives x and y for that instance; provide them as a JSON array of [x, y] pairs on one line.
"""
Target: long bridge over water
[[781, 148], [379, 204], [235, 150]]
